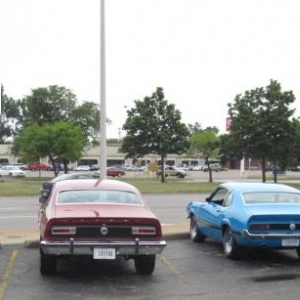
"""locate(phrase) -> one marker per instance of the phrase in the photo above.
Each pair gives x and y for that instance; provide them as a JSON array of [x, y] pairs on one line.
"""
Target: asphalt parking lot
[[185, 270]]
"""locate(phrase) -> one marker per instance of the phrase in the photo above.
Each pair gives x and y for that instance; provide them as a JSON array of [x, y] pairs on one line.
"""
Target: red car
[[37, 166], [113, 172], [102, 219]]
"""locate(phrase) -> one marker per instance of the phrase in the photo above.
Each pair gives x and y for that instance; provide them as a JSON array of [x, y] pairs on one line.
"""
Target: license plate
[[290, 242], [104, 253]]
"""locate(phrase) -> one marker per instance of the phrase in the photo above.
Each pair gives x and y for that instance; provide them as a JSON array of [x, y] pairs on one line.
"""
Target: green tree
[[52, 104], [206, 143], [60, 141], [263, 126], [87, 116], [8, 117], [47, 105], [154, 126]]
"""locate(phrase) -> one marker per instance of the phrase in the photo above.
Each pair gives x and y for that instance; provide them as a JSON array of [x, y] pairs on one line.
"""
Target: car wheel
[[231, 248], [298, 251], [10, 175], [195, 235], [145, 264], [48, 264]]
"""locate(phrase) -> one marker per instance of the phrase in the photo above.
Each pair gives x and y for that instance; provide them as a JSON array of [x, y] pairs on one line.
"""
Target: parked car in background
[[275, 169], [47, 185], [100, 219], [94, 167], [181, 166], [12, 171], [197, 168], [239, 215], [112, 172], [295, 169], [38, 166], [20, 165], [214, 167], [82, 168], [173, 171]]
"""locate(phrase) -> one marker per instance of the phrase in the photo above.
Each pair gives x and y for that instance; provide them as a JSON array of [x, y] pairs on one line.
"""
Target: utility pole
[[103, 148], [2, 98]]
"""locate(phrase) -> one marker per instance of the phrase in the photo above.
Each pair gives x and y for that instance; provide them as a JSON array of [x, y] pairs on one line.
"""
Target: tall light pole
[[103, 147]]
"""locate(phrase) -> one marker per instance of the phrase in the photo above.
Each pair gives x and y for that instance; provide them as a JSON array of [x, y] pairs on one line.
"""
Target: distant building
[[92, 154]]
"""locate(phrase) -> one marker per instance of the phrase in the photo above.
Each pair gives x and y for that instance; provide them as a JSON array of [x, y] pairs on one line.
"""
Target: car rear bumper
[[72, 247], [272, 240], [246, 233]]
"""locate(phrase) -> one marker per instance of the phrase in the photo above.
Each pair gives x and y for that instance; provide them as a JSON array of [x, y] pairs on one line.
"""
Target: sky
[[203, 53]]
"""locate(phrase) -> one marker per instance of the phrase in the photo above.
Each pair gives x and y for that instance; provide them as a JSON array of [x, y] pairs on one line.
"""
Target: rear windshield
[[94, 196], [271, 197]]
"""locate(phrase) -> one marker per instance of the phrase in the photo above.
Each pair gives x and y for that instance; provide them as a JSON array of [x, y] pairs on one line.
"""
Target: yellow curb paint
[[172, 268], [7, 271]]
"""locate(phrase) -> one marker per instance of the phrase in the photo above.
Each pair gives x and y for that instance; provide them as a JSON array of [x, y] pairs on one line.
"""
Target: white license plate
[[104, 253], [290, 242]]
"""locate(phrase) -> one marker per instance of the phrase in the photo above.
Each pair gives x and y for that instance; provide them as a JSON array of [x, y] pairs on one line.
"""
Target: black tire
[[231, 248], [10, 175], [298, 252], [195, 235], [48, 264], [145, 264]]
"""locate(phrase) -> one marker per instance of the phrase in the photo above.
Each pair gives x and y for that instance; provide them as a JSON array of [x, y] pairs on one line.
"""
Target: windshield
[[96, 196], [271, 197]]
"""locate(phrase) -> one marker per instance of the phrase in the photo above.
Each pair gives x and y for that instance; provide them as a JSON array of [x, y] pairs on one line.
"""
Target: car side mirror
[[43, 199], [44, 196], [208, 200]]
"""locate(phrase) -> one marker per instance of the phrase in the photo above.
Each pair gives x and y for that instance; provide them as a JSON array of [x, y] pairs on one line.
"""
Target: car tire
[[298, 252], [144, 264], [48, 264], [231, 248], [10, 175], [195, 235]]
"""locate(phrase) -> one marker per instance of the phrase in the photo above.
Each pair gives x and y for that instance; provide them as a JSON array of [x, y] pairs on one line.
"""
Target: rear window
[[271, 197], [94, 196]]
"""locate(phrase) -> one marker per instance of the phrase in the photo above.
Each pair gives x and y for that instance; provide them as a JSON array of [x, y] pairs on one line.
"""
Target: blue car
[[265, 215]]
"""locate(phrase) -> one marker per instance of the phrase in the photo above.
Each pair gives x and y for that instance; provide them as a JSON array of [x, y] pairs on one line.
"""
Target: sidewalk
[[30, 238]]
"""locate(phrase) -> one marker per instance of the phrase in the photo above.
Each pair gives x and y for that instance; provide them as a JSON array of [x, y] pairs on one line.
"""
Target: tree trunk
[[263, 164], [162, 173]]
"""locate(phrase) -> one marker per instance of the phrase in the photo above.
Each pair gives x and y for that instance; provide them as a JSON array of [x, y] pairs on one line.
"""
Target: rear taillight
[[144, 230], [63, 230], [259, 227]]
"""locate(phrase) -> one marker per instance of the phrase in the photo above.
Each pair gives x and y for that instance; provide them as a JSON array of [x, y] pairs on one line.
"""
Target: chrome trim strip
[[246, 233], [86, 248]]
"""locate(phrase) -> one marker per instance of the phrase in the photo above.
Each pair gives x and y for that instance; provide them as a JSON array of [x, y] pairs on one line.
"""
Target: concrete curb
[[30, 239]]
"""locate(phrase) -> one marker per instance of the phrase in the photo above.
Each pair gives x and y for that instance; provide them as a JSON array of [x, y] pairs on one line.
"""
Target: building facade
[[91, 156]]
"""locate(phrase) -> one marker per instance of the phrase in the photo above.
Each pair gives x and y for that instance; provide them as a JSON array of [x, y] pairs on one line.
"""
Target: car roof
[[70, 175], [244, 187], [104, 184]]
